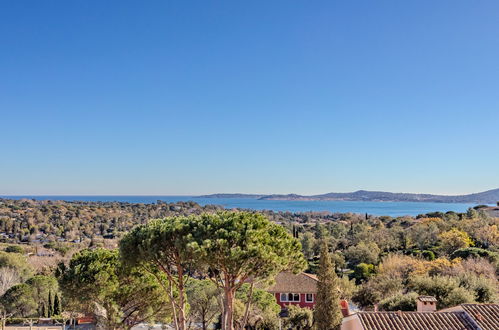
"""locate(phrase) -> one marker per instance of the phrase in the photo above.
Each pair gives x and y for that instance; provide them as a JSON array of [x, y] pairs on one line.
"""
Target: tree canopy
[[235, 247], [117, 296]]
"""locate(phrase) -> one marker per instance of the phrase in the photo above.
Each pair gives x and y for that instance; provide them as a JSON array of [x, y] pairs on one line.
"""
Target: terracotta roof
[[485, 315], [294, 283], [415, 321], [427, 299]]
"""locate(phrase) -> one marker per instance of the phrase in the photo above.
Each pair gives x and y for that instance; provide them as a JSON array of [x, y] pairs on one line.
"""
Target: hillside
[[486, 197]]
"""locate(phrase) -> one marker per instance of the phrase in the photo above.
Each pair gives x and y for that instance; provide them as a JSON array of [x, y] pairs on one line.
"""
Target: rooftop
[[294, 283], [415, 321], [485, 315]]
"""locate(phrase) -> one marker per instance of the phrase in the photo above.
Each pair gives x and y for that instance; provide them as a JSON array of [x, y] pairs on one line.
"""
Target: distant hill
[[486, 197]]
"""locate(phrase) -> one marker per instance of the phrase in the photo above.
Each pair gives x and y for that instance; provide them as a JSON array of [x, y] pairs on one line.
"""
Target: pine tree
[[57, 305], [50, 310], [327, 313]]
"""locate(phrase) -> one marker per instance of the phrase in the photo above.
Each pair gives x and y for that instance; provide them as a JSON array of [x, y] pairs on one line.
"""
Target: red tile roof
[[294, 283], [415, 321], [485, 315]]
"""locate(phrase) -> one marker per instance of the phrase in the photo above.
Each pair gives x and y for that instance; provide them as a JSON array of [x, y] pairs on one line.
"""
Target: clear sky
[[193, 97]]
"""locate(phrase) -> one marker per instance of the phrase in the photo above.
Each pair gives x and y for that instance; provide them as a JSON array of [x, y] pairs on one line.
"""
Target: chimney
[[376, 307], [345, 309], [426, 304]]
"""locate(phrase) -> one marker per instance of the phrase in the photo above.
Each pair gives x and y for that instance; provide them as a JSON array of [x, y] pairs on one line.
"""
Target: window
[[293, 297], [290, 297], [309, 297]]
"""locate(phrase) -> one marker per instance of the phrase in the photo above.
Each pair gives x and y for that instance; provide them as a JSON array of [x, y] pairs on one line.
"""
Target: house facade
[[295, 289]]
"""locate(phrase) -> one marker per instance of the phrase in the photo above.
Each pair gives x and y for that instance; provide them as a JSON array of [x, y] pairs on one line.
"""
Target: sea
[[393, 209]]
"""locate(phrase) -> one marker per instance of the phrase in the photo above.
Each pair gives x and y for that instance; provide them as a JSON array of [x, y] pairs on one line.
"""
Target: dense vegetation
[[377, 260]]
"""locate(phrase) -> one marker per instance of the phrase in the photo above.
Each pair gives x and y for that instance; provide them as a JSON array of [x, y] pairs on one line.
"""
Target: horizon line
[[240, 193]]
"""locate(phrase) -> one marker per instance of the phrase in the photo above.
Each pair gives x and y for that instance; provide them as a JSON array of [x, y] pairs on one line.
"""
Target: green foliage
[[57, 305], [377, 289], [164, 246], [97, 283], [42, 288], [457, 296], [445, 288], [362, 272], [263, 308], [300, 318], [484, 289], [428, 255], [19, 301], [50, 310], [399, 302], [327, 313], [203, 298], [347, 287], [260, 299], [18, 262], [472, 213], [367, 253], [235, 246], [474, 252]]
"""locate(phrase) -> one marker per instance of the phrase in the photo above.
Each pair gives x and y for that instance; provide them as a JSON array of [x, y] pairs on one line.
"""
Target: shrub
[[456, 297], [362, 272], [14, 249], [484, 289], [445, 288], [402, 302], [453, 240], [376, 289], [363, 253], [428, 255], [299, 318], [475, 253]]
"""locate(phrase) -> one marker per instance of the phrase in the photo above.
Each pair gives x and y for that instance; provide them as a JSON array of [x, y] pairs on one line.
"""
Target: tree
[[57, 305], [453, 240], [119, 297], [362, 272], [234, 247], [367, 253], [204, 304], [18, 262], [399, 302], [260, 307], [50, 309], [19, 301], [445, 288], [327, 313], [164, 245], [8, 278], [42, 287], [299, 318]]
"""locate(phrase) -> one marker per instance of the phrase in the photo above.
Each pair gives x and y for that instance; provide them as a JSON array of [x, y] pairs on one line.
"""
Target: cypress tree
[[50, 310], [42, 311], [57, 305], [327, 313]]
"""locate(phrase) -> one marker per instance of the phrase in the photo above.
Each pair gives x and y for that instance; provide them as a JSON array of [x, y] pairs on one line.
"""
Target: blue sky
[[193, 97]]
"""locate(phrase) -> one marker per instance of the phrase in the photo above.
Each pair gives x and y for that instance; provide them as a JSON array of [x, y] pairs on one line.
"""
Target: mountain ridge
[[485, 197]]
